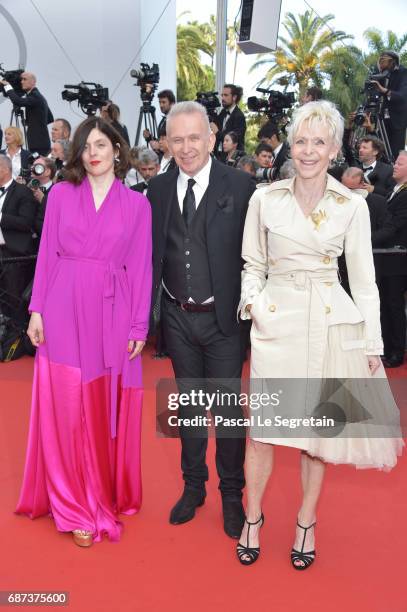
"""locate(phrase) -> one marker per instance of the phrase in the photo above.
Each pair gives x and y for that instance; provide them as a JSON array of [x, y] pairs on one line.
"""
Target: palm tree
[[301, 54], [192, 74], [377, 43], [346, 72]]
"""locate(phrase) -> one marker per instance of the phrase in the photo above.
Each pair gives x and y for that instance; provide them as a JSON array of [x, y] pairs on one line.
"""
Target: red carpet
[[361, 541]]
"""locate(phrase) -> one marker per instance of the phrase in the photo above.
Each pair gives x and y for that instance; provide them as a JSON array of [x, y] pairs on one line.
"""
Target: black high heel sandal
[[252, 553], [307, 558]]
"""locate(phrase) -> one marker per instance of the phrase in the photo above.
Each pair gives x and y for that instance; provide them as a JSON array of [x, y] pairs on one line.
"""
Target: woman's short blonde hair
[[316, 113], [18, 135]]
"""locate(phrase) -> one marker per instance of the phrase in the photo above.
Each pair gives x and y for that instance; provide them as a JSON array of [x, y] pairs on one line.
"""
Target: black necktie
[[2, 190], [188, 205], [367, 169]]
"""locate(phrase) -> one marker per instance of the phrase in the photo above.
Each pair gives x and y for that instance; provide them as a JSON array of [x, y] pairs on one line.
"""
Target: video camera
[[89, 99], [210, 101], [373, 97], [148, 78], [274, 106], [14, 78]]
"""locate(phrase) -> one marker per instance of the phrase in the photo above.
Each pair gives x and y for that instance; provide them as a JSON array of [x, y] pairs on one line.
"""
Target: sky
[[350, 16]]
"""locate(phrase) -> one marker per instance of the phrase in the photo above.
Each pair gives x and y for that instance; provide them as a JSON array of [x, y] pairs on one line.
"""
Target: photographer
[[38, 114], [312, 94], [60, 130], [394, 90], [270, 135], [43, 172], [166, 100], [230, 119]]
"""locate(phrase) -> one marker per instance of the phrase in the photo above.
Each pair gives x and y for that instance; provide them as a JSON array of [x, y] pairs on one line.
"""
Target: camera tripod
[[146, 116], [382, 134], [16, 114]]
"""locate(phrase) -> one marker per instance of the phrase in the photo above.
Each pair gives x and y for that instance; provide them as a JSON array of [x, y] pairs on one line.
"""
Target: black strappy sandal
[[252, 553], [307, 558]]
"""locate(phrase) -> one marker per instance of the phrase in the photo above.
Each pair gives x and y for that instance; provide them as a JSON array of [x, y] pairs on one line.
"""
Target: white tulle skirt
[[370, 434]]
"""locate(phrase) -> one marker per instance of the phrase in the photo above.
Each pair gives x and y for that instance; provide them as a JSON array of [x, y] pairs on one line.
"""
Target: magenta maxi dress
[[92, 286]]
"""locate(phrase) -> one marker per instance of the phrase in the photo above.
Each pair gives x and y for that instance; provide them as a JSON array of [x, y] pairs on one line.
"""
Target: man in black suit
[[166, 100], [230, 119], [353, 178], [17, 214], [198, 219], [43, 170], [394, 90], [269, 134], [38, 115], [393, 283], [378, 175], [148, 167]]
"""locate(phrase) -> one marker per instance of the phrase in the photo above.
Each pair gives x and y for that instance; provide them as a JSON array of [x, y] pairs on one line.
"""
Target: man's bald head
[[28, 81], [353, 178]]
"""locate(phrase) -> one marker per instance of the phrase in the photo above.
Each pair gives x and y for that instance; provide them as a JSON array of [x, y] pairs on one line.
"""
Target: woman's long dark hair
[[74, 170]]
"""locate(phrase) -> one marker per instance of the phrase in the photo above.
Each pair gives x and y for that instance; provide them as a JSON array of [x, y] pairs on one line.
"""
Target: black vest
[[186, 267]]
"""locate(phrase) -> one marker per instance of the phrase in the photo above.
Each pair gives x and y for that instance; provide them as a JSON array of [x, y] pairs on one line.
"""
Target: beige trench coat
[[291, 279]]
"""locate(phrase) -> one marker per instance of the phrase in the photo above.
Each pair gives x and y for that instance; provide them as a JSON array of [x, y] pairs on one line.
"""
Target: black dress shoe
[[184, 509], [394, 361], [233, 517]]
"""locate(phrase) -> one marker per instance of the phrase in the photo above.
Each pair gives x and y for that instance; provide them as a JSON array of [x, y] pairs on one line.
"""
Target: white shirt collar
[[277, 150], [201, 178], [369, 165], [47, 185], [7, 185], [15, 154]]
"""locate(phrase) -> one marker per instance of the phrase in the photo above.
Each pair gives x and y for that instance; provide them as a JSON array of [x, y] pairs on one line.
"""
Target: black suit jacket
[[38, 116], [17, 219], [393, 232], [397, 105], [40, 215], [235, 123], [229, 192], [377, 205], [381, 177], [281, 158]]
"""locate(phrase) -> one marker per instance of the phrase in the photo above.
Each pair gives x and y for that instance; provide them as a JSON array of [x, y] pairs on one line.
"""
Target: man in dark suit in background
[[269, 134], [17, 213], [394, 91], [38, 114], [230, 119], [148, 167], [393, 282], [198, 219]]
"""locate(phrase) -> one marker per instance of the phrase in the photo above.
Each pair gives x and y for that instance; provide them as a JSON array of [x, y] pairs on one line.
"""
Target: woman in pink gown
[[90, 308]]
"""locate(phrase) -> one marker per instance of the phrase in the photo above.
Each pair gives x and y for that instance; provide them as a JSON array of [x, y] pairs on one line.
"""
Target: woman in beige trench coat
[[304, 325]]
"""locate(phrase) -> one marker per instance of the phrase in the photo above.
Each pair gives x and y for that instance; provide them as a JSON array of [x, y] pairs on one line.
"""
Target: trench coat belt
[[108, 334], [318, 283]]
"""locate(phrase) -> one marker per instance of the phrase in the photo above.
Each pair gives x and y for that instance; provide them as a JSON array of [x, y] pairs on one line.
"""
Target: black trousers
[[393, 315], [201, 355], [397, 140]]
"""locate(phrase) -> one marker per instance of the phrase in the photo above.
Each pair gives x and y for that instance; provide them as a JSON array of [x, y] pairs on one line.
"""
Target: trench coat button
[[340, 199], [272, 308], [329, 284], [326, 259], [327, 309]]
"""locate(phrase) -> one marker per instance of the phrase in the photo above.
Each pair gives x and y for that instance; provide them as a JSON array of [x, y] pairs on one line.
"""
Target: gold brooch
[[318, 218]]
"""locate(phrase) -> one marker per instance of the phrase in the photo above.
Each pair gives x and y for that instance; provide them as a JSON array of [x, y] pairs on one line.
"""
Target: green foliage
[[302, 53]]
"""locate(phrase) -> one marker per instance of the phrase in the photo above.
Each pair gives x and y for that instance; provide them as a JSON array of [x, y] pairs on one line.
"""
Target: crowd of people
[[152, 240]]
